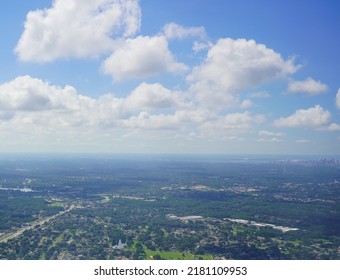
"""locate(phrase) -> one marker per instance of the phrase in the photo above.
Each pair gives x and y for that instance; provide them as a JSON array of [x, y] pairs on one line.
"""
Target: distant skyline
[[194, 76]]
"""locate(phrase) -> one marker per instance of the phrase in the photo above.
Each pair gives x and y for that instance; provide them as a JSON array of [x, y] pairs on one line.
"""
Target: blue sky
[[220, 76]]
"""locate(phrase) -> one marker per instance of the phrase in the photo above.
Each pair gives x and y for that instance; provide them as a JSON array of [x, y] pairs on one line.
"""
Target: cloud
[[29, 94], [180, 120], [175, 31], [142, 57], [45, 112], [270, 133], [146, 121], [246, 104], [308, 86], [198, 123], [315, 117], [337, 99], [232, 123], [333, 127], [260, 94], [272, 139], [232, 66], [153, 96], [270, 136], [40, 104], [76, 28], [199, 46], [30, 102], [303, 141]]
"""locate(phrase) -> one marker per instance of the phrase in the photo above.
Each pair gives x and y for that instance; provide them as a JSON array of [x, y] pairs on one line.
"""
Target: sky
[[158, 76]]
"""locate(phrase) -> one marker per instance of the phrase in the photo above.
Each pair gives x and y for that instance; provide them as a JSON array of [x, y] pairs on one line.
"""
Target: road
[[20, 231]]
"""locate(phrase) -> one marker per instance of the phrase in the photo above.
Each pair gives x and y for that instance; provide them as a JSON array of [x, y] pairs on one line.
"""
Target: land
[[169, 207]]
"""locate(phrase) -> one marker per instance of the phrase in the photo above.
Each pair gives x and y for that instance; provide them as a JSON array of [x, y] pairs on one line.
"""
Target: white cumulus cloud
[[77, 28], [333, 127], [270, 133], [308, 86], [38, 103], [234, 65], [175, 31], [303, 141], [199, 46], [272, 139], [230, 124], [152, 96], [337, 99], [270, 136], [140, 58], [315, 117], [27, 102], [45, 112], [30, 94]]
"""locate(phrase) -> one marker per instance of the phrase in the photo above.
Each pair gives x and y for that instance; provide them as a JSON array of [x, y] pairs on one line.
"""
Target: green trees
[[140, 253]]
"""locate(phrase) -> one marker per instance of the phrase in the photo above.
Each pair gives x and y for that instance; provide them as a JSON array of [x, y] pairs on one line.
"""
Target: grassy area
[[58, 239], [175, 255], [238, 229], [150, 254], [324, 241]]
